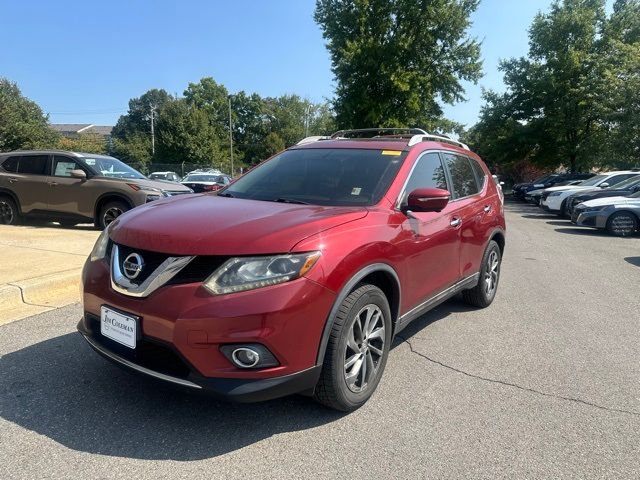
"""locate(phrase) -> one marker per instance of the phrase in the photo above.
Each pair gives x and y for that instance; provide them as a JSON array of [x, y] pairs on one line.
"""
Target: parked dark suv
[[296, 277], [71, 188]]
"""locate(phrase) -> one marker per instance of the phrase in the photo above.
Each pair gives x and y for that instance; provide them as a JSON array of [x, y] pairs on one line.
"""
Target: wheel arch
[[107, 197], [10, 194], [499, 237], [382, 276]]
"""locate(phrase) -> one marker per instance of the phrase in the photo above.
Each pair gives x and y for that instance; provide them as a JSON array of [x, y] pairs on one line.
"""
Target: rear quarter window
[[10, 164]]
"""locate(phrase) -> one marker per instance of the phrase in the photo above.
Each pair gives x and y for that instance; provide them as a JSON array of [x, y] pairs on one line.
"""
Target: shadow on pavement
[[37, 223], [61, 389], [633, 261], [583, 231], [560, 223]]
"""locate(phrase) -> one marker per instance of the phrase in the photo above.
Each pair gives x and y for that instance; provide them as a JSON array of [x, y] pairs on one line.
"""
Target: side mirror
[[604, 185], [427, 200], [78, 174]]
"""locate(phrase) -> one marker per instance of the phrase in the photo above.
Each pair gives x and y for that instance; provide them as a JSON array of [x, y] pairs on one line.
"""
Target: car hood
[[210, 225], [598, 202], [145, 182], [601, 194]]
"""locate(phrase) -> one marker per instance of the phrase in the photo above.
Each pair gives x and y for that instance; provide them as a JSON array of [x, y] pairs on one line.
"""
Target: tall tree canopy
[[575, 100], [22, 123], [396, 61]]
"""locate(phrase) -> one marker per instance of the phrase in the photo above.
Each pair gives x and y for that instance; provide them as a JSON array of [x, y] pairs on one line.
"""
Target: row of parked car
[[72, 187], [608, 201]]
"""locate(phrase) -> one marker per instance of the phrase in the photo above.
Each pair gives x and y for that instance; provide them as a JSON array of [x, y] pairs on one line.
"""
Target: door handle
[[12, 180], [52, 184], [456, 222], [487, 208]]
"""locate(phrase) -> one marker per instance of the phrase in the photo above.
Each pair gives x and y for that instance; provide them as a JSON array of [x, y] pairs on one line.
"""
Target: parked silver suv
[[71, 188]]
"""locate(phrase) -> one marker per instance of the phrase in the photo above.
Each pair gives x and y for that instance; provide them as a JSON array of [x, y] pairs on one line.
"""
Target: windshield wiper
[[290, 200]]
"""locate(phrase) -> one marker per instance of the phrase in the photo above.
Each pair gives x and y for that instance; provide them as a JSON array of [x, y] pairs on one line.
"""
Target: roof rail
[[438, 138], [377, 132], [313, 138]]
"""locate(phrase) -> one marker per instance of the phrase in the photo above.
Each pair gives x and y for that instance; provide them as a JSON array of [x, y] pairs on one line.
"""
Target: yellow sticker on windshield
[[395, 153]]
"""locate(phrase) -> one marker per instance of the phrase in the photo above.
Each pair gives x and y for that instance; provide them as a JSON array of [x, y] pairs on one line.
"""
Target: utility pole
[[231, 136], [307, 113], [153, 132]]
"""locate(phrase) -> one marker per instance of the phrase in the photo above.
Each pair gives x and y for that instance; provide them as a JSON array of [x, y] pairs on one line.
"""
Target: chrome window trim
[[160, 276]]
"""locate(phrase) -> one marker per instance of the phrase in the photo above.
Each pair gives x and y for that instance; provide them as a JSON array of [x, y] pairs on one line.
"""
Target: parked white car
[[554, 199]]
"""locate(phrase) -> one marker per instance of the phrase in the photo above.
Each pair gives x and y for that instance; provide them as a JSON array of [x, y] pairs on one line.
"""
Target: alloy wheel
[[623, 225], [491, 274], [6, 213], [111, 214], [364, 349]]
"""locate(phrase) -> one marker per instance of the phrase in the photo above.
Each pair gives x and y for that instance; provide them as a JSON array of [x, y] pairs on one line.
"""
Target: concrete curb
[[24, 298]]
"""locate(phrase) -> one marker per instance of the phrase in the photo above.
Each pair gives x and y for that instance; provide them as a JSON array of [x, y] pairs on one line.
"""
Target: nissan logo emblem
[[132, 266]]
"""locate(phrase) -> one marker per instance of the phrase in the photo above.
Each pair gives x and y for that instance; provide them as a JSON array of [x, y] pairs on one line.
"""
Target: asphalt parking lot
[[543, 384]]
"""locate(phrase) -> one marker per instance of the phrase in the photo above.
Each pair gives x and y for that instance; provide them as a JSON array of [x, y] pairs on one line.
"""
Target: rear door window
[[463, 178], [480, 175], [33, 164]]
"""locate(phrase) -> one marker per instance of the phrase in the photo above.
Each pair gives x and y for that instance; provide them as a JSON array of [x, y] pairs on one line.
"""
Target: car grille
[[197, 270]]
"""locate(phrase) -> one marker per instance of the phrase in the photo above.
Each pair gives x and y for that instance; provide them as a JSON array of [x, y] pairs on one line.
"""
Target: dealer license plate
[[119, 327]]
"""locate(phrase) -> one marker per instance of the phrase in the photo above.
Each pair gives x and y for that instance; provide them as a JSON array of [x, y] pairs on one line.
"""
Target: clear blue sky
[[82, 60]]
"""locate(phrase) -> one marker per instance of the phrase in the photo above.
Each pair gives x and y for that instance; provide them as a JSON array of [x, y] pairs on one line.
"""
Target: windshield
[[544, 178], [203, 178], [629, 182], [154, 176], [112, 167], [593, 181], [321, 176]]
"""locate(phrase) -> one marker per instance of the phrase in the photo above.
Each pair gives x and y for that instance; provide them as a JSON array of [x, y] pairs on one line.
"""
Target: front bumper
[[183, 327], [588, 219], [232, 389]]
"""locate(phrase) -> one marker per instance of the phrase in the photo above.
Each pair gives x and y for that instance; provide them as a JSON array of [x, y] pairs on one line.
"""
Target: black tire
[[109, 212], [481, 296], [9, 213], [332, 389], [622, 224], [563, 209]]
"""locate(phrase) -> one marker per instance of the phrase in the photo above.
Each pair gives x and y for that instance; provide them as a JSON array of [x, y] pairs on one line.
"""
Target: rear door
[[469, 209], [27, 178], [67, 194]]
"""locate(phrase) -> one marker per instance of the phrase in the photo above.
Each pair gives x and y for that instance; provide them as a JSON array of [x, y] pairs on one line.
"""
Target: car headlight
[[246, 273], [100, 248], [594, 209], [555, 194]]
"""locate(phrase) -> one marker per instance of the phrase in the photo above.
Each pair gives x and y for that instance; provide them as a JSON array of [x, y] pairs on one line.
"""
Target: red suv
[[296, 277]]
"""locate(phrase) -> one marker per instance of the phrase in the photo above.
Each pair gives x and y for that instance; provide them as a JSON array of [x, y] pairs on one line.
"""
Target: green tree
[[23, 125], [396, 61], [622, 77], [87, 142], [554, 107], [132, 132], [185, 134]]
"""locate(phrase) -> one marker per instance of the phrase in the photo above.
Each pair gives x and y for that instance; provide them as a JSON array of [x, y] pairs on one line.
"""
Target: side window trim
[[482, 182], [403, 191]]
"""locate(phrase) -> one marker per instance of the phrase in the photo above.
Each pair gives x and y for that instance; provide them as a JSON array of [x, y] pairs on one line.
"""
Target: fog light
[[245, 357], [251, 355]]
